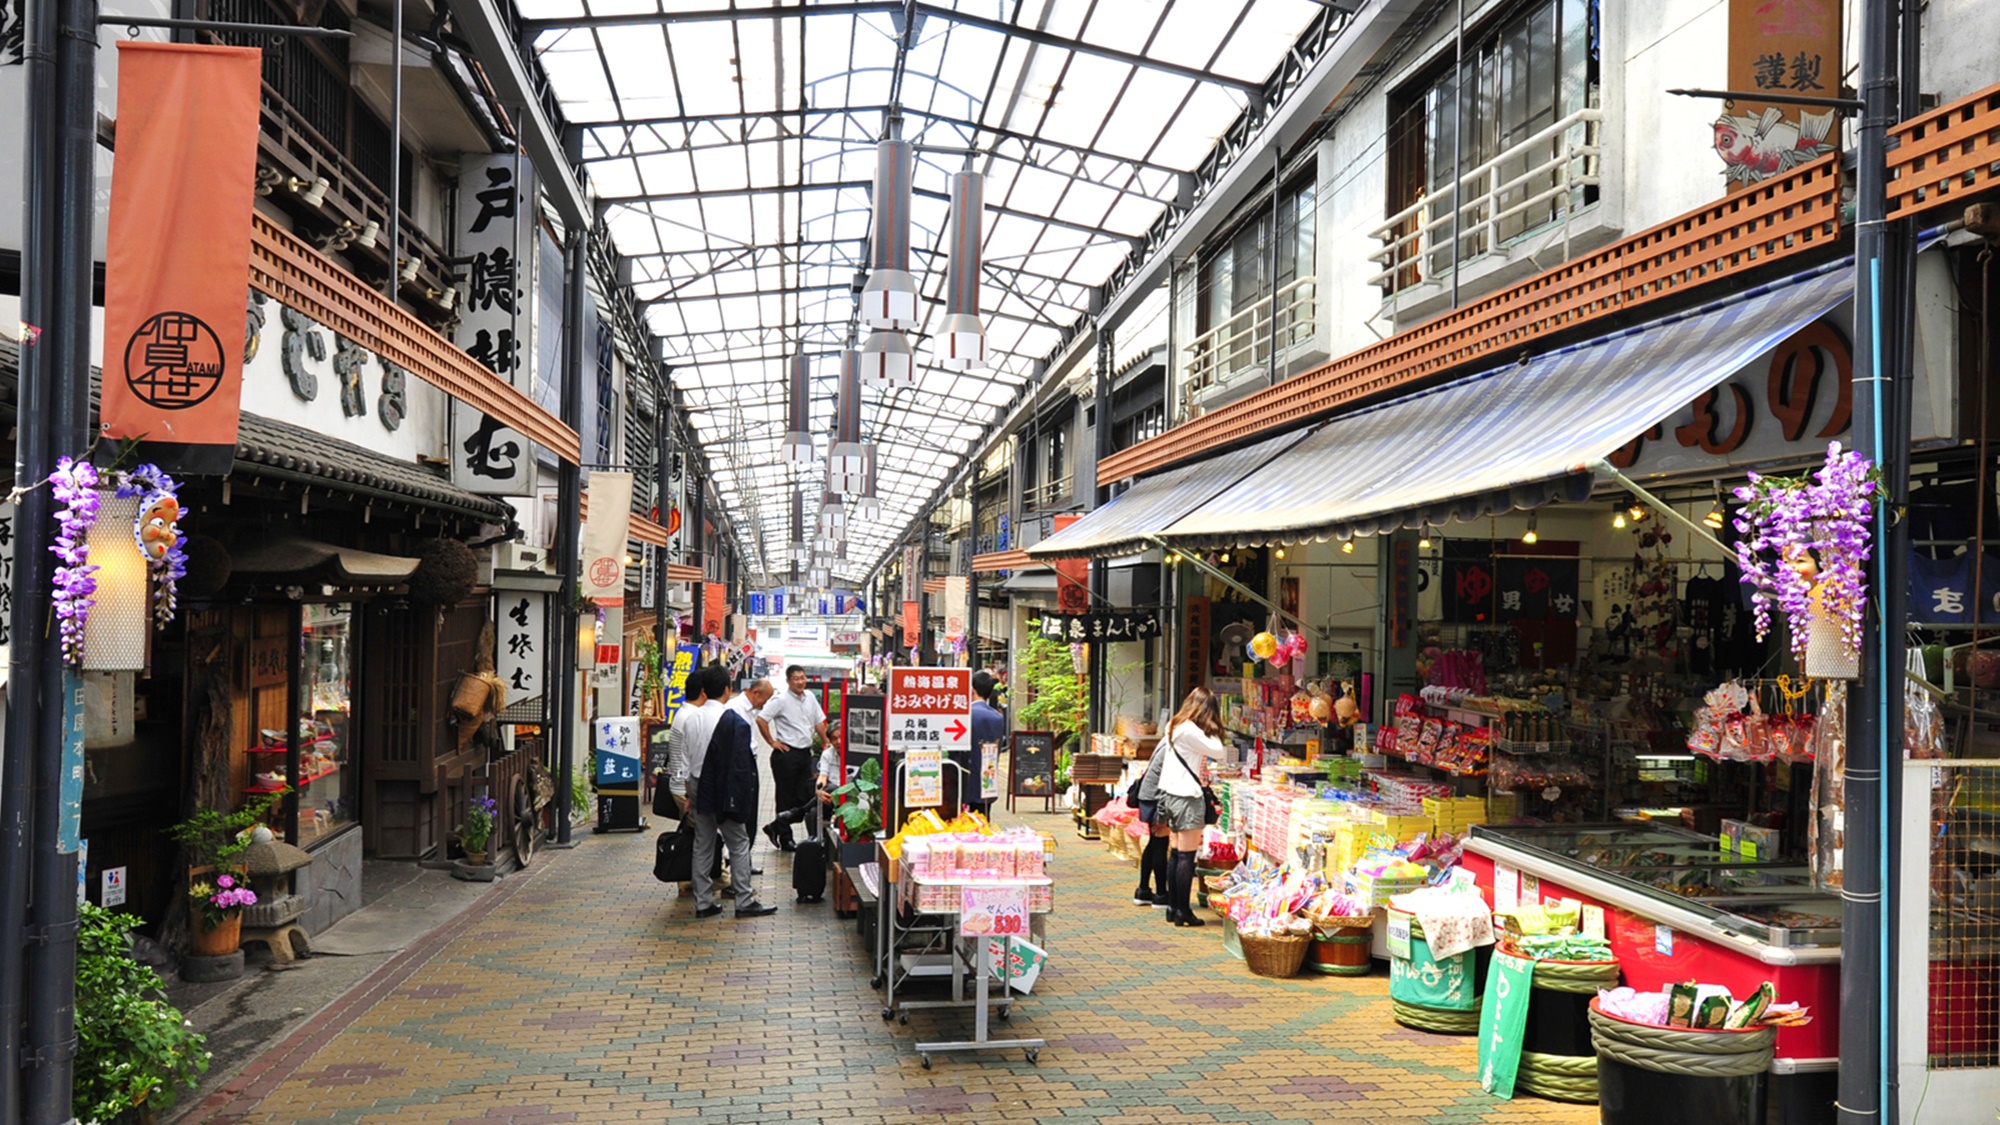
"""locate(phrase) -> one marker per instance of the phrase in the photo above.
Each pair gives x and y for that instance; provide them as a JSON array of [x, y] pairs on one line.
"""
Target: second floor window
[[1467, 130]]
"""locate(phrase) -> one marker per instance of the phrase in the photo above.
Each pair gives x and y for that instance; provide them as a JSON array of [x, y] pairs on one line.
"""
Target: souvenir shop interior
[[1569, 710]]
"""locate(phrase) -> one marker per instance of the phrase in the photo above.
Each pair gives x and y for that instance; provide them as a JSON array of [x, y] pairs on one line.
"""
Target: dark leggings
[[1153, 865]]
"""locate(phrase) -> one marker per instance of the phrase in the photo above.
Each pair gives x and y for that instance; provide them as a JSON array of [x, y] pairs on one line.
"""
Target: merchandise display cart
[[968, 954]]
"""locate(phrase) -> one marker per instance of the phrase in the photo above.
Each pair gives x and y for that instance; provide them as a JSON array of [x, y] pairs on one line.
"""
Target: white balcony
[[1238, 351], [1535, 187]]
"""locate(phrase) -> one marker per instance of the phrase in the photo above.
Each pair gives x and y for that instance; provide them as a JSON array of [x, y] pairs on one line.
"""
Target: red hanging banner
[[177, 269]]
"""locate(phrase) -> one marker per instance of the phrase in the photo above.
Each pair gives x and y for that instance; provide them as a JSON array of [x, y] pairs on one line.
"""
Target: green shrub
[[133, 1048]]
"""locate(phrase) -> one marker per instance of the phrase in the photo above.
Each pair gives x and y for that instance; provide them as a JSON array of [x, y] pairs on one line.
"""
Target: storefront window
[[328, 785]]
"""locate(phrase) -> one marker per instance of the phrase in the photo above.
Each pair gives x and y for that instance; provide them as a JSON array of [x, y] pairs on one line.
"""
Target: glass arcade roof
[[733, 146]]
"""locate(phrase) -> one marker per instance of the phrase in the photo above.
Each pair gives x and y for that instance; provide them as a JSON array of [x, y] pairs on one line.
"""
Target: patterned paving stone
[[584, 991]]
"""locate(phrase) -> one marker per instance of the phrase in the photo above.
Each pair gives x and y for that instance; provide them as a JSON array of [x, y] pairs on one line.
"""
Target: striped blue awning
[[1146, 509], [1516, 436]]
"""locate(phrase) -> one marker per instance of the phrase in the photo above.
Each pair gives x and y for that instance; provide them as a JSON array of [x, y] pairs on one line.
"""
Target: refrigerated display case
[[1678, 907]]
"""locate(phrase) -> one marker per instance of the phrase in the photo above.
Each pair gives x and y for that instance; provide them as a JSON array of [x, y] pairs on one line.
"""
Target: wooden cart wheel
[[527, 828]]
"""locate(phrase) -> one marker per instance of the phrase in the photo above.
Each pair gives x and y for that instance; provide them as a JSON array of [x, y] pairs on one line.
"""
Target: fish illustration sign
[[1784, 47]]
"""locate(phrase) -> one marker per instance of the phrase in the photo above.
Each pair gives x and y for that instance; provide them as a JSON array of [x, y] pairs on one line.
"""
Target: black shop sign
[[1084, 627]]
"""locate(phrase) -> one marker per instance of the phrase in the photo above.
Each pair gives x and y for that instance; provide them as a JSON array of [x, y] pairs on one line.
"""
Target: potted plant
[[477, 830], [1058, 698], [860, 799], [219, 903], [135, 1052], [218, 888]]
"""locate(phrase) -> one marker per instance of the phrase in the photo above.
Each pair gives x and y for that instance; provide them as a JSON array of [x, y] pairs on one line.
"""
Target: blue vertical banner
[[756, 605], [69, 829]]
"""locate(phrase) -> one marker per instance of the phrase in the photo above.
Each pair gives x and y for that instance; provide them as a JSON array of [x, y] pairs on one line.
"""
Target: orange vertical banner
[[177, 269], [913, 624]]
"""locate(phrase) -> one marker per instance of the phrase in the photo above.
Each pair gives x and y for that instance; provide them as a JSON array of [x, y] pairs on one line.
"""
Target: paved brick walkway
[[584, 991]]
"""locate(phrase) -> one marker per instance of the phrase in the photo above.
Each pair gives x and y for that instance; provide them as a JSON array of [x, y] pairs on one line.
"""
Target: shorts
[[1180, 814]]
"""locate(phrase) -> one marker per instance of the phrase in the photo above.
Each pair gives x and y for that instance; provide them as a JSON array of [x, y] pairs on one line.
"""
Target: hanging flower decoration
[[1804, 540], [74, 484], [158, 534]]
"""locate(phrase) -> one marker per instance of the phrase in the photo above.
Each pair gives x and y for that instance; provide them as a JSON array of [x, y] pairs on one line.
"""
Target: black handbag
[[1211, 806], [666, 805], [673, 857]]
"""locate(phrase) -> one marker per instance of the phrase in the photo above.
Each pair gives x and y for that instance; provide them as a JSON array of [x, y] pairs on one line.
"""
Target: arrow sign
[[956, 730]]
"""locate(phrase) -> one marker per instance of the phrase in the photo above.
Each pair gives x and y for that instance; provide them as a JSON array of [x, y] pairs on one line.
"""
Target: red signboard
[[913, 630]]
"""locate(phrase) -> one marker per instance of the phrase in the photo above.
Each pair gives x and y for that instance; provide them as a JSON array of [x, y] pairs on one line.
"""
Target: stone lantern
[[274, 920]]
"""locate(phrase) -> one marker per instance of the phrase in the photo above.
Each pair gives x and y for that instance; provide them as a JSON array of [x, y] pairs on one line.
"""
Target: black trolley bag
[[809, 859]]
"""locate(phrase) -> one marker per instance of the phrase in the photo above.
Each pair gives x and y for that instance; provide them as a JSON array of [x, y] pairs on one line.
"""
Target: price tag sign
[[993, 912], [1593, 921], [923, 778], [1399, 935]]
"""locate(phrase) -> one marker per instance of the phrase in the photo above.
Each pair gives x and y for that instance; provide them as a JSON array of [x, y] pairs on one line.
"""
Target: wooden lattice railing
[[1945, 155], [290, 270]]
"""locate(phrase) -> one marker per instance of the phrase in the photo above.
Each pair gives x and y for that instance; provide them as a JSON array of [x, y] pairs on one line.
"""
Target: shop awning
[[299, 559], [1149, 507], [1513, 437], [993, 561]]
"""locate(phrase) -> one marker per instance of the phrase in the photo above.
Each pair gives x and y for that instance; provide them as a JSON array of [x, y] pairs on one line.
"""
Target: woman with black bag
[[1180, 787]]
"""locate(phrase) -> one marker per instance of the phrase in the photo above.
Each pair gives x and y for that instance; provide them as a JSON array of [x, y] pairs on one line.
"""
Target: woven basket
[[1565, 1078], [1278, 956], [1329, 922], [1441, 1020]]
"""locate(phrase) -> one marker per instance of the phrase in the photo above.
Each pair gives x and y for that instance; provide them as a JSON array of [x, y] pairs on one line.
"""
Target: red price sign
[[993, 912]]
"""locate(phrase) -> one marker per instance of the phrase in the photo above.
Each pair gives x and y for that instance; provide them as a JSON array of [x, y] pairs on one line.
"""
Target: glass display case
[[1773, 902], [327, 786]]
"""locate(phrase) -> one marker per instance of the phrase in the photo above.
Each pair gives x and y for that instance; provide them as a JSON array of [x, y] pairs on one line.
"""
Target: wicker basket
[[1278, 956]]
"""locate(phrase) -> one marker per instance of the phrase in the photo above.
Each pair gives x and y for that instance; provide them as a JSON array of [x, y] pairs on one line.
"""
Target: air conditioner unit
[[520, 556]]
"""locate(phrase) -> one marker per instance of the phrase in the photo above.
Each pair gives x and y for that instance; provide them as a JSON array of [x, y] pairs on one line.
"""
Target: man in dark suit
[[725, 805]]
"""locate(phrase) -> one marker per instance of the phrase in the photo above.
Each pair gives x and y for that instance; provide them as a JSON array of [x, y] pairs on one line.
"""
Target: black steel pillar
[[663, 456], [972, 574], [569, 528], [926, 636], [1883, 270], [62, 46], [1100, 493]]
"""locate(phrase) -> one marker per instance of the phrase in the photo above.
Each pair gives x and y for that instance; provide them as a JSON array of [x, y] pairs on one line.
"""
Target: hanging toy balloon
[[1263, 646]]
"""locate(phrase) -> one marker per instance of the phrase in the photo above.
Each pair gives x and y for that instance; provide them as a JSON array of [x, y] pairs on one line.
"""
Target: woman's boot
[[1153, 865], [1183, 886]]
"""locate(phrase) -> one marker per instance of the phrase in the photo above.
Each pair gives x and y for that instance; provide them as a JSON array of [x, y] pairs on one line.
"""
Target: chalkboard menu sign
[[1033, 765]]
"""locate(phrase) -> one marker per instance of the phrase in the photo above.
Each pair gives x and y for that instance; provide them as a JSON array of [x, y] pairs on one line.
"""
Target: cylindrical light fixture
[[867, 507], [799, 550], [798, 447], [832, 517], [961, 340], [889, 298], [115, 634], [846, 464], [887, 361]]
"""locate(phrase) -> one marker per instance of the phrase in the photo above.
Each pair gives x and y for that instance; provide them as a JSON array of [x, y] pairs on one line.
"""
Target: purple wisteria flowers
[[1805, 540], [157, 533], [74, 484]]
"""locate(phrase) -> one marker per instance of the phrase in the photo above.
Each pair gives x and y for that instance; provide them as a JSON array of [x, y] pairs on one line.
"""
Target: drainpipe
[[569, 529]]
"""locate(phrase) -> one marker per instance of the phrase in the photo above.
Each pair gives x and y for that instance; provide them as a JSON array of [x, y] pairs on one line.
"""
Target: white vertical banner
[[911, 587], [604, 535], [649, 564], [955, 597], [496, 218], [522, 626]]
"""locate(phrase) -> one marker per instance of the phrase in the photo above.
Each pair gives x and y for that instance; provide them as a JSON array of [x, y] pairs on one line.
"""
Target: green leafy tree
[[1058, 697], [133, 1049]]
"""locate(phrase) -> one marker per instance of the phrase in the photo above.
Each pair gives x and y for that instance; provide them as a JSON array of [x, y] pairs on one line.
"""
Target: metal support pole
[[1882, 270], [972, 575], [1100, 574], [65, 34], [392, 288], [569, 529], [663, 454], [1457, 146], [1273, 373]]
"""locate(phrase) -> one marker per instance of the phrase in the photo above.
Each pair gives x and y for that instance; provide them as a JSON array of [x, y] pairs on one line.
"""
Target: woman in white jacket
[[1174, 780]]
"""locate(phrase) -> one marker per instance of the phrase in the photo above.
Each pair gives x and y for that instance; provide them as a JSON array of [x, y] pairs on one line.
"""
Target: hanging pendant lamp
[[867, 507], [961, 339], [798, 447], [889, 299], [846, 463], [799, 550]]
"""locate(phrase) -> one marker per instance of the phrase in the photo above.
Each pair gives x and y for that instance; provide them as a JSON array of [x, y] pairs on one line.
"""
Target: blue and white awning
[[1128, 523], [1516, 436]]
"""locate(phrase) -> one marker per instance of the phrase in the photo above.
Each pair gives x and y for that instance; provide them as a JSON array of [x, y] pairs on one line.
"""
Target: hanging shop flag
[[604, 535], [1503, 1018], [1790, 48], [677, 678], [1469, 585], [1534, 588], [955, 596], [178, 251], [913, 625], [1137, 626]]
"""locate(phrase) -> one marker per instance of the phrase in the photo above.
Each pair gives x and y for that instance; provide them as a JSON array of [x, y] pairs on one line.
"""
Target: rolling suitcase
[[809, 862]]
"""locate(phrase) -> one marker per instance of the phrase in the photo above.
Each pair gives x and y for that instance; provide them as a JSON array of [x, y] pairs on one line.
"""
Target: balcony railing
[[1243, 342], [1050, 494], [1540, 181]]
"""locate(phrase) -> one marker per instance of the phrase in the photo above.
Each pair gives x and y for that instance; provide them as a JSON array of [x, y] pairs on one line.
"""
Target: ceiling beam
[[534, 28], [637, 200]]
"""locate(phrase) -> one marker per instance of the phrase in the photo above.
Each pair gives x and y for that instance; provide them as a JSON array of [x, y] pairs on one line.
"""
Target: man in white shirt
[[748, 704], [789, 722]]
